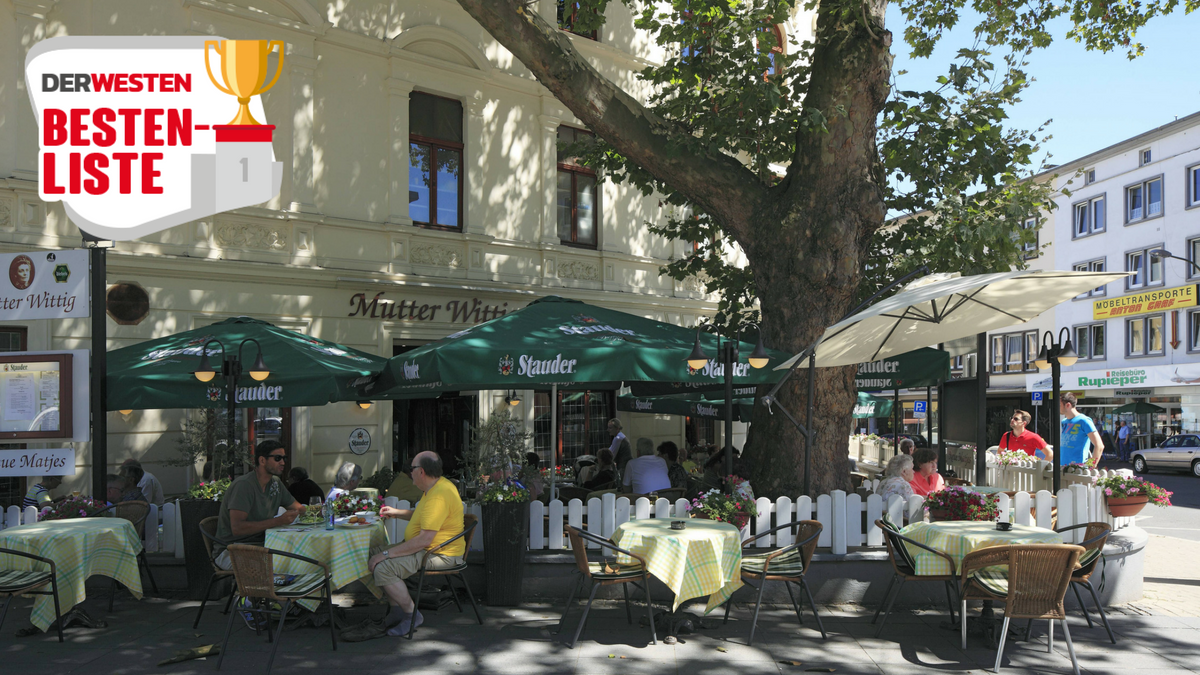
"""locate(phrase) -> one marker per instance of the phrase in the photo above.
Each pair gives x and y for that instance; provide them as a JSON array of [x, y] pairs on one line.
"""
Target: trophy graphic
[[244, 145]]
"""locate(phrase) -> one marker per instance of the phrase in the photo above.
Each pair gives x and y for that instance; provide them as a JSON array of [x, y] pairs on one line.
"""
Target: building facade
[[421, 170]]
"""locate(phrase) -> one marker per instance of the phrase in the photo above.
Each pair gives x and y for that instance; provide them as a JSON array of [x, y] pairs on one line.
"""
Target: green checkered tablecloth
[[703, 559], [344, 550], [957, 538], [80, 548]]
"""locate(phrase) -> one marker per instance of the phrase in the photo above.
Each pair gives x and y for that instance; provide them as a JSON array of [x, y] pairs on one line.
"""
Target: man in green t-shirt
[[249, 506]]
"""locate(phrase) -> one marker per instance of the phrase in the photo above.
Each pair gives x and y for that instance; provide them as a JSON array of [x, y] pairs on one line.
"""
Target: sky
[[1091, 99]]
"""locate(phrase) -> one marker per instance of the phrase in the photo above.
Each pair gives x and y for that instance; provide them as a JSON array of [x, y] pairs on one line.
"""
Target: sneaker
[[367, 630], [254, 620], [408, 624]]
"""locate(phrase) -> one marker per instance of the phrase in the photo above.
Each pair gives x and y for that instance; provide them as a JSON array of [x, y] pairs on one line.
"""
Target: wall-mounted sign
[[468, 311], [1176, 375], [44, 285], [40, 462], [360, 441], [1144, 303], [35, 396], [1133, 392]]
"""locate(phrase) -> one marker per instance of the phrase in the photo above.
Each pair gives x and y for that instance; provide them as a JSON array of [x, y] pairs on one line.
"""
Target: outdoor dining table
[[957, 538], [344, 549], [80, 548], [705, 558]]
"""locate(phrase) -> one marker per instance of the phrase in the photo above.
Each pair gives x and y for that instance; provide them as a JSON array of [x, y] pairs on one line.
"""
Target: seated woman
[[302, 487], [606, 472], [345, 481], [898, 474], [926, 479], [675, 471]]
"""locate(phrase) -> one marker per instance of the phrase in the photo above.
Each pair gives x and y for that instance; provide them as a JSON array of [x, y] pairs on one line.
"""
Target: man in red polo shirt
[[1023, 440]]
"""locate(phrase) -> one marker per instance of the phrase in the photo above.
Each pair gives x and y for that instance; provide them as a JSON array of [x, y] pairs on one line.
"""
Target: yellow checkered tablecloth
[[80, 548], [703, 559], [344, 550], [957, 538]]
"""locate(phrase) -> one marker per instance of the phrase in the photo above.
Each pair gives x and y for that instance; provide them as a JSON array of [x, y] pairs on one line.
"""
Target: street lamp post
[[231, 370], [1054, 355], [1161, 253], [728, 355]]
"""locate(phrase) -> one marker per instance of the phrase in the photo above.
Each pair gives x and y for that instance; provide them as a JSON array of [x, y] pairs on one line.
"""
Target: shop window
[[435, 155], [12, 488], [1144, 336], [578, 198], [582, 424], [701, 432]]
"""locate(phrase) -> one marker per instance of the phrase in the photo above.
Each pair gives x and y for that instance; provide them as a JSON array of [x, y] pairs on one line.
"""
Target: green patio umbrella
[[556, 341], [692, 406], [872, 406], [304, 371], [1137, 408]]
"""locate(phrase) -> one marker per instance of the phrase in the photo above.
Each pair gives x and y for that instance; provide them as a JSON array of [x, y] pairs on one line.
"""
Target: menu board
[[32, 402]]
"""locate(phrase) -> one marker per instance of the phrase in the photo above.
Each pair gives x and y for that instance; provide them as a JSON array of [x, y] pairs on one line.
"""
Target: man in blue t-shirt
[[1078, 435]]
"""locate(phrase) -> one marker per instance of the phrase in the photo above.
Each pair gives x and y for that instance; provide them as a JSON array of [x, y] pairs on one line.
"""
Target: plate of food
[[356, 522]]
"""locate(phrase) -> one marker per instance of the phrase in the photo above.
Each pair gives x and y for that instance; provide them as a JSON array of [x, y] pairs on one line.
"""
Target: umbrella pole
[[981, 374], [896, 421], [553, 437], [230, 408], [728, 357]]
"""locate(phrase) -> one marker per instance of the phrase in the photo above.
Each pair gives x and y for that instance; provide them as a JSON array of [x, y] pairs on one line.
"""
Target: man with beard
[[249, 506]]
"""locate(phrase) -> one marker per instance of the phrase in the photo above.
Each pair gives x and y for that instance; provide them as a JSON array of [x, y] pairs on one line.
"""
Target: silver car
[[1180, 452]]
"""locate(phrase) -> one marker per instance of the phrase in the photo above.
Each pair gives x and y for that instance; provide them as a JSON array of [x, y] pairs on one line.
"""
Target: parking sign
[[1037, 398], [919, 409]]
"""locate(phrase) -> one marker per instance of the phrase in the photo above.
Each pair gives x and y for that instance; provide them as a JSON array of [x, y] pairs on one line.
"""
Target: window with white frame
[[1089, 176], [1011, 352], [1193, 254], [1147, 270], [1144, 157], [1192, 183], [1089, 216], [1090, 266], [1193, 319], [1144, 200], [1144, 335], [1030, 248], [1089, 341]]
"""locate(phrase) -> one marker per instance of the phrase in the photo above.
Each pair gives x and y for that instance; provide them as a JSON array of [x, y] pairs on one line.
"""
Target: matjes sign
[[43, 462], [139, 134], [44, 285]]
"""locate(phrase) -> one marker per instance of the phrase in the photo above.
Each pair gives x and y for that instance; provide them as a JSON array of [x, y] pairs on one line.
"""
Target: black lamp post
[[1161, 253], [1054, 355], [231, 370], [728, 350]]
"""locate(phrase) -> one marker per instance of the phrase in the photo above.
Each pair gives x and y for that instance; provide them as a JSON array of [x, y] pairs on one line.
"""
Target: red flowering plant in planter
[[716, 505], [1127, 495], [955, 503], [72, 507], [349, 504]]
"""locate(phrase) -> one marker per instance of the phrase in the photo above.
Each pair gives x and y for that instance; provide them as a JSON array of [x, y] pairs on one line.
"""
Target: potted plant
[[955, 503], [350, 504], [1128, 495], [204, 440], [505, 539], [71, 507], [716, 505]]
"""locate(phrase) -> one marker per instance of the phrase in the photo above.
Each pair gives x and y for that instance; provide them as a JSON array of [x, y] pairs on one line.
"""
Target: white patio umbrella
[[940, 308]]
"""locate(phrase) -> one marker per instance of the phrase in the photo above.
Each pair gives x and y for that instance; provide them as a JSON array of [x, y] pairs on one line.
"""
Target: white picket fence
[[164, 532], [848, 518]]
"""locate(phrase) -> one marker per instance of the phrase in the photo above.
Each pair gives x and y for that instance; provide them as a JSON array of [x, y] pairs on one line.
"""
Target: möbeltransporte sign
[[1174, 375]]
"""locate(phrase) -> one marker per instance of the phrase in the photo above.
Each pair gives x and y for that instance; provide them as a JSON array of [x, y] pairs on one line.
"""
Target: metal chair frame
[[218, 571], [578, 538], [903, 575], [31, 589], [246, 589], [469, 523], [806, 546], [139, 524], [1083, 575]]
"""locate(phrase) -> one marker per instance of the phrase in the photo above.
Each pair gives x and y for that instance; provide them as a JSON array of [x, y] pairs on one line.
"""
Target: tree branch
[[717, 183]]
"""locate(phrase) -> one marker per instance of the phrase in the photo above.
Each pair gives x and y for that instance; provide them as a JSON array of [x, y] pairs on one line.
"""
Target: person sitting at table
[[302, 487], [38, 494], [345, 481], [130, 492], [606, 472], [250, 503], [898, 476], [114, 486], [907, 446], [403, 488], [437, 519], [688, 465], [926, 478], [149, 484], [648, 472], [675, 472]]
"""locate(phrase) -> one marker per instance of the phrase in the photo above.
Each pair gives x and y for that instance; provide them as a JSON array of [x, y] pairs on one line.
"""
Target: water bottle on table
[[328, 513]]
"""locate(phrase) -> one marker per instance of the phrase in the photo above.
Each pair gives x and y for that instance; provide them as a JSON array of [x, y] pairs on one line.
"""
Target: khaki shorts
[[395, 570]]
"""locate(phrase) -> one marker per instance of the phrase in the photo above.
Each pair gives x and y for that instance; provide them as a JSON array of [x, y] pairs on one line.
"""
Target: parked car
[[1180, 452]]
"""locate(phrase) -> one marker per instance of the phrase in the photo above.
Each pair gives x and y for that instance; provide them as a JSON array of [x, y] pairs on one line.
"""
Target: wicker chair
[[30, 582], [208, 532], [605, 574], [1094, 538], [787, 564], [136, 513], [255, 574], [1032, 587], [671, 494], [904, 568], [469, 523]]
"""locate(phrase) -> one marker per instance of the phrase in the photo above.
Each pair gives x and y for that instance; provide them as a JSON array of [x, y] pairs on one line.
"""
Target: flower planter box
[[505, 540], [199, 568], [1123, 507]]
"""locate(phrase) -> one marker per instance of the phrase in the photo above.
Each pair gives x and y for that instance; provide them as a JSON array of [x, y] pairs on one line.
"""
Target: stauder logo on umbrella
[[412, 371], [527, 366]]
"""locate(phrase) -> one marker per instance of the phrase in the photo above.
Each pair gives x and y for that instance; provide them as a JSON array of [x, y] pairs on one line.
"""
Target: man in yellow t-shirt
[[437, 519]]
